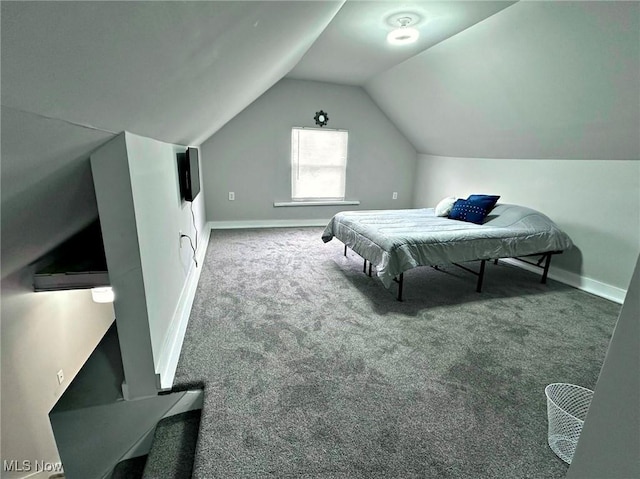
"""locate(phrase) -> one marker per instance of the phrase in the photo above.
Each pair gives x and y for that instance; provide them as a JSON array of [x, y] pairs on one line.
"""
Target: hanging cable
[[193, 217], [191, 244]]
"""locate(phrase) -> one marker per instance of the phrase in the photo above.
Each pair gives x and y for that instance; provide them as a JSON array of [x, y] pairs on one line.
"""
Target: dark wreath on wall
[[321, 118]]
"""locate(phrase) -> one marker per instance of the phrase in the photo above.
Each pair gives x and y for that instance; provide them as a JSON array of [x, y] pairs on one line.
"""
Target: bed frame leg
[[400, 284], [364, 267], [480, 276], [369, 268], [345, 250], [547, 263]]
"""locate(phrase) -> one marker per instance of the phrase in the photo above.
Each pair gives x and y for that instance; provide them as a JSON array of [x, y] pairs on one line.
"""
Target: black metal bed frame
[[545, 257]]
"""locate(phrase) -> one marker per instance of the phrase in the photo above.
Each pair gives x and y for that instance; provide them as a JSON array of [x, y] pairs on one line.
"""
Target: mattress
[[398, 240]]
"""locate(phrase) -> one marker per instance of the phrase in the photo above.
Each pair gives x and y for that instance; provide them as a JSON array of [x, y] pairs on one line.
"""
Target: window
[[318, 164]]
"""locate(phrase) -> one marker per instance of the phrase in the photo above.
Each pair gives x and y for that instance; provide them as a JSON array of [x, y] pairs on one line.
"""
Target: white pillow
[[444, 207]]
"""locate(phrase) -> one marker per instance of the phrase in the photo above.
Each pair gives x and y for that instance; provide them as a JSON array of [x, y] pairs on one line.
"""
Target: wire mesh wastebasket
[[567, 407]]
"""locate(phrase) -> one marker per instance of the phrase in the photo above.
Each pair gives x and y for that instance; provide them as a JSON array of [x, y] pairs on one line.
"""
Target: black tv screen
[[189, 174]]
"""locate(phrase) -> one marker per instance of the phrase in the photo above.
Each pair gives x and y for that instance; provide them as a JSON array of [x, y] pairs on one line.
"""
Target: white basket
[[567, 407]]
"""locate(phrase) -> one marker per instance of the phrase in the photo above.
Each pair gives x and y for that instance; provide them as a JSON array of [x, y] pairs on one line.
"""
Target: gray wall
[[595, 202], [41, 334], [251, 154], [536, 80], [609, 444], [111, 177], [161, 215], [142, 215], [43, 204]]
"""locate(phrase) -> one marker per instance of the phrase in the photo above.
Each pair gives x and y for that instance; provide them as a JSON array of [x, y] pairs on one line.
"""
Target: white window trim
[[326, 201], [279, 204]]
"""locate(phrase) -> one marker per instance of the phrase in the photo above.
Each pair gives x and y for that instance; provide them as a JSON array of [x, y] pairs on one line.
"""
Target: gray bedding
[[398, 240]]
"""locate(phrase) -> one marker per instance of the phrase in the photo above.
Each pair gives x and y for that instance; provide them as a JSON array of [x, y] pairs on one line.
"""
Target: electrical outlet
[[60, 376], [232, 196], [394, 196]]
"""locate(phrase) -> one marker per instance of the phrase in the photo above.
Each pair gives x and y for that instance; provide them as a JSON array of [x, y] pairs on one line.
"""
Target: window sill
[[315, 203]]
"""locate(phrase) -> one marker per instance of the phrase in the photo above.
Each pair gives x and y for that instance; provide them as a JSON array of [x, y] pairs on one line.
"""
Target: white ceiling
[[173, 71], [178, 71], [353, 48], [538, 80]]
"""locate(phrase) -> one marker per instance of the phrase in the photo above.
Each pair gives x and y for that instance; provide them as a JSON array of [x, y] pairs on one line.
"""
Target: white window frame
[[297, 166]]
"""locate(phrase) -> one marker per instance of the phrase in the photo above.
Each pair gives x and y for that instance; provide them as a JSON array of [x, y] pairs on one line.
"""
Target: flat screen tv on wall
[[189, 174]]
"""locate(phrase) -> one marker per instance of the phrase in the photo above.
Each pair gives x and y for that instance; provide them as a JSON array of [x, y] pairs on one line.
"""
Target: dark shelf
[[78, 263]]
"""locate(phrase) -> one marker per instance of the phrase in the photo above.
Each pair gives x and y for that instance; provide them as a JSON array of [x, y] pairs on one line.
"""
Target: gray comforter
[[398, 240]]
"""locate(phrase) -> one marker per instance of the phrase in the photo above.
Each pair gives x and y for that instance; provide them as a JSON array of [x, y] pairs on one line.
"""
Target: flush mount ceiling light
[[404, 33]]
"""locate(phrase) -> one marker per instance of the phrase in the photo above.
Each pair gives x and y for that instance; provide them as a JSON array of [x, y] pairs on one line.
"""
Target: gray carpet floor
[[174, 445], [312, 369]]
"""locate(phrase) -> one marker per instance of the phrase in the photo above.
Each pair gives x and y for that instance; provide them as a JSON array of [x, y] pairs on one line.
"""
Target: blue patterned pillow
[[474, 209]]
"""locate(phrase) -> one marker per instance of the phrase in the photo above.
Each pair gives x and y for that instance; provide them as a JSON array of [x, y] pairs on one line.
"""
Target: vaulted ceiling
[[74, 74], [539, 80], [353, 48], [178, 71], [173, 71]]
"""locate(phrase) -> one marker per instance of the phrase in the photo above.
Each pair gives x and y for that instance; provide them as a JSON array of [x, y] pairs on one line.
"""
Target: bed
[[395, 241]]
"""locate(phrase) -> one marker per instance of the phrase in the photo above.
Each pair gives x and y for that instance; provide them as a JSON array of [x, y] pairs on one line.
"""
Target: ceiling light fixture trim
[[405, 33]]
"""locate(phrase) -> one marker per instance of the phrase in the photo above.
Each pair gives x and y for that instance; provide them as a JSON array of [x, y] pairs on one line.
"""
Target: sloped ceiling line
[[68, 122], [353, 48]]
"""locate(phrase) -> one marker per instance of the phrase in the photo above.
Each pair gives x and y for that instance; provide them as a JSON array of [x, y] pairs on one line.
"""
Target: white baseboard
[[224, 225], [170, 353], [597, 288]]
